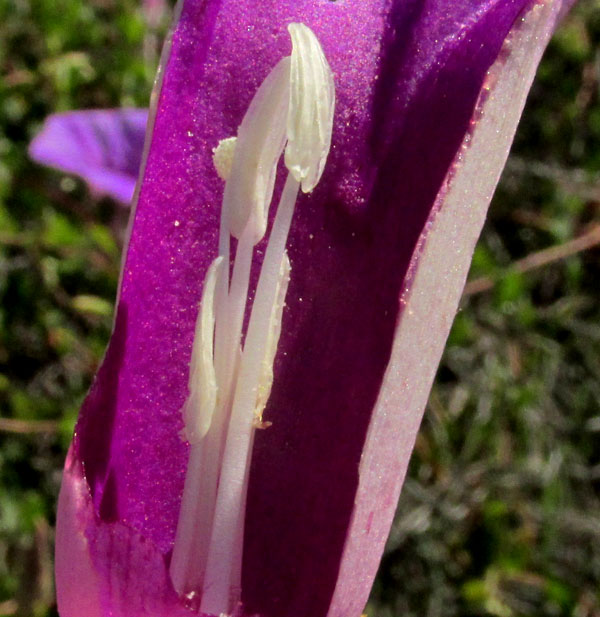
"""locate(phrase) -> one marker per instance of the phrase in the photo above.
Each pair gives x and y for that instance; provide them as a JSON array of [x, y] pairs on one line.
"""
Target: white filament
[[230, 498]]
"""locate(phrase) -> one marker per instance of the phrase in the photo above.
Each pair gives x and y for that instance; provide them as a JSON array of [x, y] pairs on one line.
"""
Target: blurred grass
[[499, 516]]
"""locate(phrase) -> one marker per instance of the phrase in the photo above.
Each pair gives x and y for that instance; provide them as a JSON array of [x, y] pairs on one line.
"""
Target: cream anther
[[312, 102], [231, 372], [223, 157], [260, 142], [266, 376], [201, 402]]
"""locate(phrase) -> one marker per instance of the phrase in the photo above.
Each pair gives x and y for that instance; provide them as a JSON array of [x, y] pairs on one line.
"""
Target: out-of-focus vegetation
[[500, 514]]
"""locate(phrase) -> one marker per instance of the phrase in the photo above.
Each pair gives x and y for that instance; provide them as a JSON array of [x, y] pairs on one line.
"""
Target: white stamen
[[230, 386], [260, 142], [230, 498], [188, 560]]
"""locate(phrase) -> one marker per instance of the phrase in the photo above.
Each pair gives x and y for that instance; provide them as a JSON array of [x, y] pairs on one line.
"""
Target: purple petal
[[428, 94], [104, 147]]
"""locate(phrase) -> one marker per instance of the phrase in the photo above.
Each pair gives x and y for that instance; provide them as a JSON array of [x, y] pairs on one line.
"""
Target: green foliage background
[[499, 516]]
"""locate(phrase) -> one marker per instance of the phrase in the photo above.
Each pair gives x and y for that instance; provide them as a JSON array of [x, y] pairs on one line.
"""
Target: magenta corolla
[[428, 94]]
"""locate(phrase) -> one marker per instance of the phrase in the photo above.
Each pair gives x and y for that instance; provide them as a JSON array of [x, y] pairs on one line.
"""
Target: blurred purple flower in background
[[104, 147], [428, 97]]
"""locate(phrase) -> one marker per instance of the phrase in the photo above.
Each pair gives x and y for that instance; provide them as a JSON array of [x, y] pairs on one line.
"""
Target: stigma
[[291, 115]]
